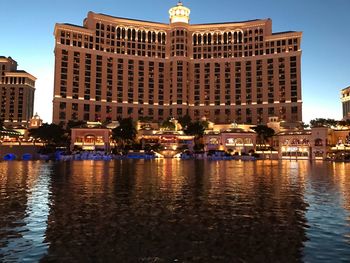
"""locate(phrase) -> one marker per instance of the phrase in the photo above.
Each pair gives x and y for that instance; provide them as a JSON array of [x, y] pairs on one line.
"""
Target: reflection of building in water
[[24, 208]]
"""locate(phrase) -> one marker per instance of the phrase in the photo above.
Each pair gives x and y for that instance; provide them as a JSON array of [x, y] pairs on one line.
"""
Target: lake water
[[174, 211]]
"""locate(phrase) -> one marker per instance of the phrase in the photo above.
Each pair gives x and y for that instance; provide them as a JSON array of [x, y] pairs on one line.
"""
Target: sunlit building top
[[345, 99], [179, 14]]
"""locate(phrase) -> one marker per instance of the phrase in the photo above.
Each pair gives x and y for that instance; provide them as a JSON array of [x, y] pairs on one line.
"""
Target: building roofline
[[72, 27], [131, 19], [232, 22], [20, 73]]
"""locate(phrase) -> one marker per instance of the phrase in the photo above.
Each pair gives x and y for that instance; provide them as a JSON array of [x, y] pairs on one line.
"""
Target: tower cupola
[[179, 14]]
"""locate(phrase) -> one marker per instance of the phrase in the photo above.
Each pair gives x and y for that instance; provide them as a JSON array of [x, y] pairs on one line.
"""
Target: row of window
[[101, 112]]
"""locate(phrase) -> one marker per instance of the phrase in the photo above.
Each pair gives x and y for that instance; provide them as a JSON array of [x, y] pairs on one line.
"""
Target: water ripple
[[168, 210]]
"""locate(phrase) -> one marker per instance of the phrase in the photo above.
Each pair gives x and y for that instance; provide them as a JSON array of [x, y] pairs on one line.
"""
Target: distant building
[[345, 99], [16, 94], [35, 122], [234, 71]]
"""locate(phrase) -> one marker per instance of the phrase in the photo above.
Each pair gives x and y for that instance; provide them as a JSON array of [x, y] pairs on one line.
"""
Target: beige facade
[[315, 143], [236, 140], [17, 89], [345, 99], [116, 67], [91, 139]]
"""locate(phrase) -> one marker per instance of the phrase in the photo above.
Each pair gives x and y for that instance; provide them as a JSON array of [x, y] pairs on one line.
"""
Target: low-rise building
[[168, 140], [235, 139], [317, 143], [91, 137]]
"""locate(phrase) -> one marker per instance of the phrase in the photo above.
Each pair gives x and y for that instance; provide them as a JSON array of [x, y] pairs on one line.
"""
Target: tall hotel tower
[[345, 99], [17, 89], [227, 72]]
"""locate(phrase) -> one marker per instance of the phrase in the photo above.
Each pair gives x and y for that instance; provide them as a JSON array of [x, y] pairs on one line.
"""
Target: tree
[[264, 133], [196, 128], [168, 125], [73, 124], [125, 133], [2, 125], [321, 122], [184, 121], [50, 134]]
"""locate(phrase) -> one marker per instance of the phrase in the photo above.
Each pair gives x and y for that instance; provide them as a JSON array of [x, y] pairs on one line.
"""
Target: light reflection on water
[[24, 209], [166, 210]]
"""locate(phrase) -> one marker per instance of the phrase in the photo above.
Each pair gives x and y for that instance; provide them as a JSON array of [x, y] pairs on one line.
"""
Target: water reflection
[[24, 200], [172, 210], [329, 228], [168, 210]]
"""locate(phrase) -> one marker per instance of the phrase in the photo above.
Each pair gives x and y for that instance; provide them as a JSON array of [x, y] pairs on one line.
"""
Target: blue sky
[[26, 34]]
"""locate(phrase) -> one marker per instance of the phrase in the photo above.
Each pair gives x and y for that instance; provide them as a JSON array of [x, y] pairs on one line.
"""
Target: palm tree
[[264, 134], [2, 125], [168, 125], [196, 129], [125, 133]]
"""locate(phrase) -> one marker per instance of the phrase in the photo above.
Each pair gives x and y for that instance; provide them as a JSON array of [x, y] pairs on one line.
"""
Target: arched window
[[195, 39], [229, 37], [248, 141], [163, 38], [123, 33], [129, 34], [240, 37], [215, 38], [143, 36], [102, 27], [318, 142], [239, 141], [225, 38], [235, 38], [149, 36], [205, 39], [118, 32], [209, 38], [133, 35], [159, 37], [199, 39], [139, 35], [219, 38]]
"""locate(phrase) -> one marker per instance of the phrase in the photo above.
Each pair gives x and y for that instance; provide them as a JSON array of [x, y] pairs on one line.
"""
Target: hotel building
[[345, 99], [227, 72], [17, 94]]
